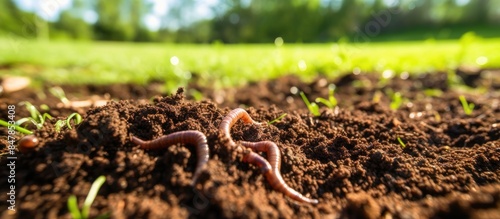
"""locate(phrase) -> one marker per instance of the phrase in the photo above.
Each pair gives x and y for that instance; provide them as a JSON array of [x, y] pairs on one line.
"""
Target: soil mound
[[361, 159]]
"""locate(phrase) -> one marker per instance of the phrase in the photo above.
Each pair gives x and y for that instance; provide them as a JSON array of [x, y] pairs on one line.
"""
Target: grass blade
[[73, 207], [16, 127], [59, 93], [94, 189], [468, 107], [403, 145], [313, 107], [325, 102], [278, 119]]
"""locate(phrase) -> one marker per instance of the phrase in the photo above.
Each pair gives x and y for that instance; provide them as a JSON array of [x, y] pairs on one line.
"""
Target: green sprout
[[73, 202], [468, 107], [396, 101], [78, 119], [61, 123], [45, 107], [59, 93], [16, 127], [453, 79], [377, 96], [437, 117], [403, 145], [58, 125], [36, 117], [39, 119], [433, 92], [278, 119], [332, 101], [313, 107]]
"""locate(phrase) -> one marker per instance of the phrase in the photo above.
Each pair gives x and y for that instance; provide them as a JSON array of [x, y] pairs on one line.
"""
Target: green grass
[[16, 127], [313, 107], [331, 102], [468, 107], [84, 213], [403, 145], [277, 119], [221, 65], [396, 101]]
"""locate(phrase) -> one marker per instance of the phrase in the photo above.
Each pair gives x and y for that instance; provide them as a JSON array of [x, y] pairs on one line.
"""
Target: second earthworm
[[274, 178], [188, 137], [231, 119], [271, 149]]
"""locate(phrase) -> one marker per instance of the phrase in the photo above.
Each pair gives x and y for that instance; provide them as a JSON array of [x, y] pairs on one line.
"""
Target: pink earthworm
[[274, 178], [271, 149], [188, 137], [231, 119]]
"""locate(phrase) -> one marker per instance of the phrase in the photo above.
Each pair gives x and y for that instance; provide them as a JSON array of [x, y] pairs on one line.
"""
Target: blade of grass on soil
[[73, 203]]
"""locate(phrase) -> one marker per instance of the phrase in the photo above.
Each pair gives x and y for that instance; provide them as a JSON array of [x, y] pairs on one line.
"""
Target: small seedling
[[313, 107], [468, 107], [39, 120], [377, 96], [437, 117], [278, 119], [403, 145], [61, 123], [36, 117], [78, 119], [16, 127], [433, 92], [396, 101], [73, 202], [453, 80], [45, 107], [332, 101], [59, 93]]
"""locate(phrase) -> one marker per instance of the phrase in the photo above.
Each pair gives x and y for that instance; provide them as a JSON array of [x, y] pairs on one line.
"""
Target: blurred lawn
[[228, 65]]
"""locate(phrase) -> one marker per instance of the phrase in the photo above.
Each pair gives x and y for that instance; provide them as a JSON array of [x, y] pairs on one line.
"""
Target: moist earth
[[447, 164]]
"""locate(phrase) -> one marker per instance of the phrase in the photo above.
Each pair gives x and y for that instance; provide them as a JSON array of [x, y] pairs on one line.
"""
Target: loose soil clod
[[348, 157]]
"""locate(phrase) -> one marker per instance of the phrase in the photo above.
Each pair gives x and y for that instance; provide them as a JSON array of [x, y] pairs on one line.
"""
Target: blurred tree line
[[250, 21]]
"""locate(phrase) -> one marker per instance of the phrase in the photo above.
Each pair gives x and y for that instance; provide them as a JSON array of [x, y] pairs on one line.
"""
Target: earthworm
[[271, 149], [27, 143], [188, 137], [231, 119], [274, 178]]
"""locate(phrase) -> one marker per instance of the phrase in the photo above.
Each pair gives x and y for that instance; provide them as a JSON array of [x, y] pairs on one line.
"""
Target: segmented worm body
[[187, 137], [231, 119], [271, 149], [274, 178], [270, 168]]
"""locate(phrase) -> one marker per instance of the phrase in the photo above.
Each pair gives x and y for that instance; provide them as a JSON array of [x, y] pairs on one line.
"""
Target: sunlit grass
[[221, 65]]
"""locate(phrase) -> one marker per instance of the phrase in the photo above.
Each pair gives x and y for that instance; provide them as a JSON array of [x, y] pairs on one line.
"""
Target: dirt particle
[[361, 205]]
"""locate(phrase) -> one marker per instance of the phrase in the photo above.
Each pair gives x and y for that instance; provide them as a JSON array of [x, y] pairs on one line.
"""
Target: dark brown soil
[[348, 157]]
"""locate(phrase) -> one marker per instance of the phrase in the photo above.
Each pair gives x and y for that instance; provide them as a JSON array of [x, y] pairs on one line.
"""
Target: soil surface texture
[[365, 158]]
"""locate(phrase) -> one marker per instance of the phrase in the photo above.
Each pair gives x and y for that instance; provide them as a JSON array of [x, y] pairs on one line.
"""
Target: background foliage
[[258, 21]]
